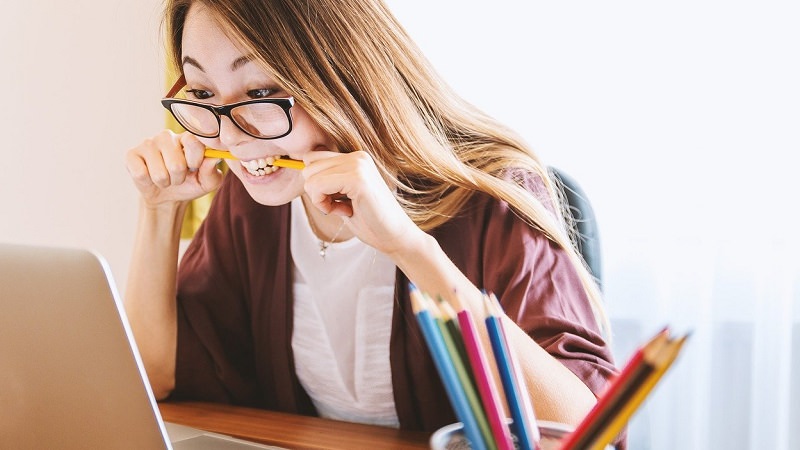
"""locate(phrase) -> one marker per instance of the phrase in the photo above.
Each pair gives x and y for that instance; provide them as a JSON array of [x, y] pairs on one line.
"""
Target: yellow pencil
[[288, 163], [211, 153]]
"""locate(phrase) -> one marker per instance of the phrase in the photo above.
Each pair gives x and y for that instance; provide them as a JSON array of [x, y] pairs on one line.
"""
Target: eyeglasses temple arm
[[176, 87]]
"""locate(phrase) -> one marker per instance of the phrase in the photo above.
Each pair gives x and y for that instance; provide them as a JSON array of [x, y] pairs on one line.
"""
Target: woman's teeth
[[260, 167]]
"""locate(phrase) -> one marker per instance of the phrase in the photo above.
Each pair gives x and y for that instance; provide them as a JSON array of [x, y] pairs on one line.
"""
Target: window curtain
[[737, 383]]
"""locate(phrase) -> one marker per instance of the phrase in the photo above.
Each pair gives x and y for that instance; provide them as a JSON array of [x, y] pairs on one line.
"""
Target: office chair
[[579, 207]]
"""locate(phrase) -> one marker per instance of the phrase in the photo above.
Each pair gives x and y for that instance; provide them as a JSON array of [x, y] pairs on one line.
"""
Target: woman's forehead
[[205, 43]]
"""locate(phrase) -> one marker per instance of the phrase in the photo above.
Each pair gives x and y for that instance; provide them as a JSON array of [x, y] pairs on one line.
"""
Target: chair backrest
[[579, 207]]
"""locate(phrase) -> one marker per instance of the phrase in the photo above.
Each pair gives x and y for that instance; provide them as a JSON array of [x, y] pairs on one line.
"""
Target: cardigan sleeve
[[535, 281], [541, 291]]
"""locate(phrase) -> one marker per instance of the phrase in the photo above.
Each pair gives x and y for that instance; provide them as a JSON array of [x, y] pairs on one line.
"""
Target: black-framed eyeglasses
[[263, 118]]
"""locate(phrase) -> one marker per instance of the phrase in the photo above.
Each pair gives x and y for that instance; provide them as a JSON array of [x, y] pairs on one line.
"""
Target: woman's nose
[[230, 135]]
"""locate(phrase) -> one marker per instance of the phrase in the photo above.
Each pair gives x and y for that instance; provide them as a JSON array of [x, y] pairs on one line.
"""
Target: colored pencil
[[625, 393], [524, 422], [455, 392], [282, 162], [618, 388], [455, 345], [449, 317], [661, 362], [487, 386]]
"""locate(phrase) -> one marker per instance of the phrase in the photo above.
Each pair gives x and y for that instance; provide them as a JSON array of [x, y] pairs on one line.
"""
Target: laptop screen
[[69, 375]]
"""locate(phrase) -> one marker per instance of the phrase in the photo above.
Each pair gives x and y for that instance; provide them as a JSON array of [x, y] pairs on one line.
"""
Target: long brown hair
[[357, 73]]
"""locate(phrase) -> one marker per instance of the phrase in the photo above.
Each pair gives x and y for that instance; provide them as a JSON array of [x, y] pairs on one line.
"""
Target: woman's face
[[218, 72]]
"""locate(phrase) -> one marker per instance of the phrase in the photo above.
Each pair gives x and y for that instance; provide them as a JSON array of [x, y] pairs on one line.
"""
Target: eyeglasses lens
[[197, 120], [261, 119]]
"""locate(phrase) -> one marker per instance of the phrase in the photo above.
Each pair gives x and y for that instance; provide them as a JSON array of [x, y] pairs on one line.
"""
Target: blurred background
[[80, 85], [679, 119]]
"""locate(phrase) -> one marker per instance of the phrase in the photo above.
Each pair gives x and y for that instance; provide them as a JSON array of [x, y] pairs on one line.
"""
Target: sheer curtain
[[737, 384], [681, 121]]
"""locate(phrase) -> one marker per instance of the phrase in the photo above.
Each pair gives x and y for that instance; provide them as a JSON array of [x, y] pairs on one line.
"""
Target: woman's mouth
[[261, 166]]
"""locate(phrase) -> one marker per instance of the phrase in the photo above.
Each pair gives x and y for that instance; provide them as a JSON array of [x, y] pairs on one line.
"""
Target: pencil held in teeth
[[289, 163], [281, 162], [211, 153]]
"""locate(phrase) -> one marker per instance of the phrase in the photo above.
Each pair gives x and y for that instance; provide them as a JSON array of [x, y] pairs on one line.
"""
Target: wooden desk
[[289, 430]]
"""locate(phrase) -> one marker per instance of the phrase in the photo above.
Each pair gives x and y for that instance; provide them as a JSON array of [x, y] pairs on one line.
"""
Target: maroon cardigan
[[235, 307]]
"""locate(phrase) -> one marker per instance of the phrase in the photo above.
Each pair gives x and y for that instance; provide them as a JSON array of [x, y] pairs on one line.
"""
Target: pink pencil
[[487, 387]]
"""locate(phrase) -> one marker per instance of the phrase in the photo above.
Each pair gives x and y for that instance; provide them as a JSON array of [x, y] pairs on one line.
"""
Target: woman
[[293, 295]]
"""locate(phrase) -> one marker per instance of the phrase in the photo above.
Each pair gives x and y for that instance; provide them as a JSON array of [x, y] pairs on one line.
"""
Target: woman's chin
[[269, 192], [271, 197], [273, 189]]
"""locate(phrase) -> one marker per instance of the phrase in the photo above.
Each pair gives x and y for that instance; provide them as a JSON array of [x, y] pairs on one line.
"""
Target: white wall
[[80, 84]]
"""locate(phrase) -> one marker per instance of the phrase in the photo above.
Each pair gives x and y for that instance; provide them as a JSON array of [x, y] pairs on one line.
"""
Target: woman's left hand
[[373, 213]]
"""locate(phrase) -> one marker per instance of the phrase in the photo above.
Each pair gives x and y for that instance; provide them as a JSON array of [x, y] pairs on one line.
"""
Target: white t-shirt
[[343, 306]]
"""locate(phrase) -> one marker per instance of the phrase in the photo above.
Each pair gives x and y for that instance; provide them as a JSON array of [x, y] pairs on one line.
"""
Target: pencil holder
[[451, 437]]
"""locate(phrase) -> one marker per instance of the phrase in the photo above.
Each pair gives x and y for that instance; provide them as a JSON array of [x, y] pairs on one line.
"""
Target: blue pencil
[[446, 369], [524, 425]]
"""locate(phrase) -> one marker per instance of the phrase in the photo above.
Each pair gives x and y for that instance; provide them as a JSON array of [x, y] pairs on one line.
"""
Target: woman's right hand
[[170, 168]]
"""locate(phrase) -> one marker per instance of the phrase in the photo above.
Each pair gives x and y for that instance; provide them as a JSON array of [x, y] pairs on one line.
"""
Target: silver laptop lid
[[69, 376]]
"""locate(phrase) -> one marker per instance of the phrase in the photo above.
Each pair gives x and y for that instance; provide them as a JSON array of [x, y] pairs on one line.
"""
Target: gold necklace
[[323, 245]]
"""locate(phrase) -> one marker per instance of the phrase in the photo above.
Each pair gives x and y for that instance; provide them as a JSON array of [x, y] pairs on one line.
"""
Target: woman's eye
[[260, 93], [199, 94]]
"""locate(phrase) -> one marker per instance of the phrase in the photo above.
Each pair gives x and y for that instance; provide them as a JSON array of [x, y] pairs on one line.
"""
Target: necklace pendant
[[323, 247]]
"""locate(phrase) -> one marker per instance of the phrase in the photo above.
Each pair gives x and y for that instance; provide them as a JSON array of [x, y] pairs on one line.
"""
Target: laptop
[[70, 373]]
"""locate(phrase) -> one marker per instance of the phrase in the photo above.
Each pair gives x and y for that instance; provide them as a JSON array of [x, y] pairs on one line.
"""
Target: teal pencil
[[451, 334]]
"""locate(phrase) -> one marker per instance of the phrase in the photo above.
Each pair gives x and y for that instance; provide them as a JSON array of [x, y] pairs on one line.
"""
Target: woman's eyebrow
[[239, 62], [193, 62], [235, 65]]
